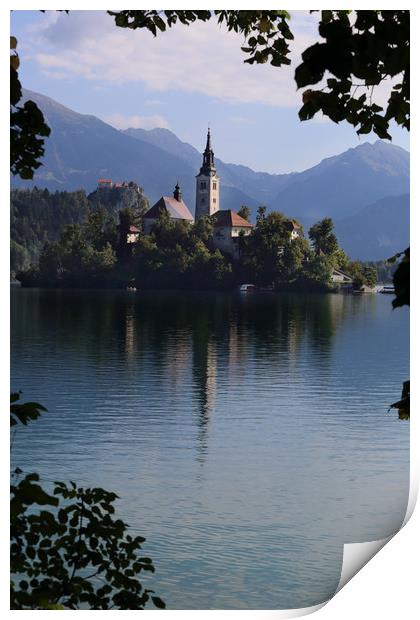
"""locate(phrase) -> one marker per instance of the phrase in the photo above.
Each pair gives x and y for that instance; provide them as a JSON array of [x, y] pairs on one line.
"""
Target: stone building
[[228, 229]]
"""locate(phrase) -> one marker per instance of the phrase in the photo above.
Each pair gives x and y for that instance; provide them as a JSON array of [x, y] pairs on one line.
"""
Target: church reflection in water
[[198, 349], [204, 377]]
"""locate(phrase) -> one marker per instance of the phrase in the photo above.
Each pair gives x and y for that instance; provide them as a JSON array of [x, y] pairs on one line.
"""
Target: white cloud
[[119, 121], [203, 58]]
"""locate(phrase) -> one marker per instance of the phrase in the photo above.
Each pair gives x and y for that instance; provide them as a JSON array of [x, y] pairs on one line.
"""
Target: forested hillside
[[38, 215]]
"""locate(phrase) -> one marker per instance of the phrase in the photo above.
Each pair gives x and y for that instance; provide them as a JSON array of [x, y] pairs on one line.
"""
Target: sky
[[184, 80]]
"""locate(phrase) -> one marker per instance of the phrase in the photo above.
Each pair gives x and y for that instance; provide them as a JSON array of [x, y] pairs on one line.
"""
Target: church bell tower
[[207, 188]]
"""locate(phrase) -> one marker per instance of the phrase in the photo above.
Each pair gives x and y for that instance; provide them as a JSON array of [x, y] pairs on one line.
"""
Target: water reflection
[[130, 333], [233, 427], [184, 341]]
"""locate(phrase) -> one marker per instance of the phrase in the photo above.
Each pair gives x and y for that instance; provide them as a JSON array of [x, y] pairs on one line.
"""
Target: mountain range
[[365, 189]]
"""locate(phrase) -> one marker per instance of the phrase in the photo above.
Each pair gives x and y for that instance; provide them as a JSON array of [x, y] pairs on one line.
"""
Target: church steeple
[[207, 187], [208, 167], [208, 145]]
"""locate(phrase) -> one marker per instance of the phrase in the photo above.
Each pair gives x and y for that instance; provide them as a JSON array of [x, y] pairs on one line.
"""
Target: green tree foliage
[[245, 212], [323, 238], [317, 271], [370, 275], [384, 270], [27, 125], [327, 255], [179, 255], [95, 252], [203, 228], [269, 254], [83, 256], [261, 213], [76, 554], [37, 216], [361, 274], [359, 50], [68, 551]]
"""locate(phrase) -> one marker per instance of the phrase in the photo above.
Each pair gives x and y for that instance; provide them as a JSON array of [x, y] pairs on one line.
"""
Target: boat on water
[[388, 290], [247, 288], [253, 288]]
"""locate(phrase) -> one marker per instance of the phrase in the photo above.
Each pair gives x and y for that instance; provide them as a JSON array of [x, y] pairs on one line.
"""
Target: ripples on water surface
[[247, 436]]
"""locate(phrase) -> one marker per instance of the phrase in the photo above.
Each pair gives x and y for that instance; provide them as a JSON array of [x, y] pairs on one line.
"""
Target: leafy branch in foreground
[[27, 125], [77, 555], [359, 50], [401, 281], [23, 412], [68, 551], [403, 405]]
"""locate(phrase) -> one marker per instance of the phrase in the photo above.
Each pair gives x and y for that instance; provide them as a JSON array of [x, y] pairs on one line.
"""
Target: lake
[[247, 435]]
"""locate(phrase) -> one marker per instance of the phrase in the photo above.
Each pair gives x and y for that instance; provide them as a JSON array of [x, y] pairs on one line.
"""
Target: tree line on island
[[72, 240]]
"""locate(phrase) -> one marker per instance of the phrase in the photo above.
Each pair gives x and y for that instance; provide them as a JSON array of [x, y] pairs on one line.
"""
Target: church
[[228, 225]]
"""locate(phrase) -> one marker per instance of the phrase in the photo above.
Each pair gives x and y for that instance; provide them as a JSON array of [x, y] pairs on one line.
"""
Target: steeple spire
[[208, 145], [208, 168]]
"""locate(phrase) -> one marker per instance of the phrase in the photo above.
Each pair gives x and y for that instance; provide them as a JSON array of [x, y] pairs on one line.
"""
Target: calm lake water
[[247, 436]]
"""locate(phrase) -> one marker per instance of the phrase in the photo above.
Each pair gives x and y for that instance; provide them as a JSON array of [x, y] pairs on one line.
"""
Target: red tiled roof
[[230, 219], [133, 229], [176, 209]]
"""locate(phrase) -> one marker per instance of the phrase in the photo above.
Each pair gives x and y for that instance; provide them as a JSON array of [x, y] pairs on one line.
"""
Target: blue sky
[[181, 80]]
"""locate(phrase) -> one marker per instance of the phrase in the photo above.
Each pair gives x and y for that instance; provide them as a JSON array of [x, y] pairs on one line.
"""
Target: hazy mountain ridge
[[341, 185], [377, 231], [82, 148]]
